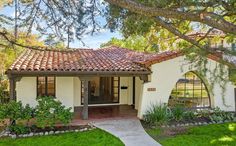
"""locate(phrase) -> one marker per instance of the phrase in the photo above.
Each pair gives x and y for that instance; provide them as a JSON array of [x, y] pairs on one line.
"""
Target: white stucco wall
[[138, 91], [77, 91], [26, 90], [126, 95], [166, 74], [68, 90], [65, 91]]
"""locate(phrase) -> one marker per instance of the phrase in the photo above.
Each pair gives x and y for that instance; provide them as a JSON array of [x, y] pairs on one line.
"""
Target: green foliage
[[15, 111], [157, 114], [203, 113], [4, 94], [232, 75], [161, 114], [189, 115], [177, 113], [221, 116], [49, 111], [19, 129], [27, 112], [11, 110], [152, 41]]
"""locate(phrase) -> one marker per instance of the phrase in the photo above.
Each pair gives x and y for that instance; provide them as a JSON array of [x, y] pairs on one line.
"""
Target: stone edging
[[6, 133], [194, 124]]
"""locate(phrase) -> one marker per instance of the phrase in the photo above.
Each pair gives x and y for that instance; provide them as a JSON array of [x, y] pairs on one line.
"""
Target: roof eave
[[77, 73]]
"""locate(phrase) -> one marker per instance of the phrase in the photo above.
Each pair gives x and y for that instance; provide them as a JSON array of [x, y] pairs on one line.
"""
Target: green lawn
[[94, 137], [215, 135]]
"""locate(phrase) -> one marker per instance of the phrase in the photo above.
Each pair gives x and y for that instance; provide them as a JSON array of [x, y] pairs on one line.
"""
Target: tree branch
[[5, 35], [204, 17], [194, 42]]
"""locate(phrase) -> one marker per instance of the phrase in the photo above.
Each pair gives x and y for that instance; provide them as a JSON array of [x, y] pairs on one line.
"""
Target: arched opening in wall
[[190, 91]]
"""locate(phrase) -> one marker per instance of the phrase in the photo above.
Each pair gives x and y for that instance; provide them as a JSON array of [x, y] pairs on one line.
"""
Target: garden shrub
[[157, 114], [189, 115], [204, 113], [19, 129], [4, 94], [177, 113], [48, 112], [219, 115], [15, 111]]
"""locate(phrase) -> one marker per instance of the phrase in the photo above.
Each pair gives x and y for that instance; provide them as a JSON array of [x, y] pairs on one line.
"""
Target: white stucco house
[[117, 76]]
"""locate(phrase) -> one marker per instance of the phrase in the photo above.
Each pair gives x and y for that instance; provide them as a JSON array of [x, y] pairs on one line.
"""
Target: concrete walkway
[[130, 131]]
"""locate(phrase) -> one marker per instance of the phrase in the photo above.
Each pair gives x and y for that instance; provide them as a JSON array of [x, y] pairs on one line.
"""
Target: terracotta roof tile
[[111, 59]]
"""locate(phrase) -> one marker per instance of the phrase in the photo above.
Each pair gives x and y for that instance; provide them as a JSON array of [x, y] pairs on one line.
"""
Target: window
[[190, 92], [46, 86]]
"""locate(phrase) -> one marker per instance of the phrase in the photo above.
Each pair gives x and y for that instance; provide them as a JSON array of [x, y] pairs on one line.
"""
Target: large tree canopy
[[69, 19], [178, 17]]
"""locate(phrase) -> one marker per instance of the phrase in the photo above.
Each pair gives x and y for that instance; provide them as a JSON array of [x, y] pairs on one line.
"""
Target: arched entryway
[[190, 91]]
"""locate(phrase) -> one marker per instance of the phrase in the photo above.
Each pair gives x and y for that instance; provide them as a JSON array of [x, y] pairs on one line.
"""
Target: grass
[[94, 137], [215, 135]]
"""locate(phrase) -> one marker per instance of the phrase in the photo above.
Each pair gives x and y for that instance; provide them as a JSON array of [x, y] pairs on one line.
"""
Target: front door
[[109, 89], [103, 90]]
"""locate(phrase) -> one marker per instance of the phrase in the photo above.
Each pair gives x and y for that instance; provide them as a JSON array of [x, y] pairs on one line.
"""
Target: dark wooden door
[[105, 87]]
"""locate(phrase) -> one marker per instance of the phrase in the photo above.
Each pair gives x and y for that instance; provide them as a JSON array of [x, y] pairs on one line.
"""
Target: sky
[[96, 40], [89, 41]]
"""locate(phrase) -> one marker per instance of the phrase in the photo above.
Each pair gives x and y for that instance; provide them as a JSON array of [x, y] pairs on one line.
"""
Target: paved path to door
[[130, 131]]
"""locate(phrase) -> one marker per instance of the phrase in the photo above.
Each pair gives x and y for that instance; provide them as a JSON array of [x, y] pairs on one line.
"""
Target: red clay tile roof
[[159, 57], [111, 60]]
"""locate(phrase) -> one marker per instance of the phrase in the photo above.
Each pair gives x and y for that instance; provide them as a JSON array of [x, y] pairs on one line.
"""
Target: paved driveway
[[130, 131]]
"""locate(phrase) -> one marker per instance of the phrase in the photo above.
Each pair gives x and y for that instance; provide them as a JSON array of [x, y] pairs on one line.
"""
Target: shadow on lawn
[[228, 138]]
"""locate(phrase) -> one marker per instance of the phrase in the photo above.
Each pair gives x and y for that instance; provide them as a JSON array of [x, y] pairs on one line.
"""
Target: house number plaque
[[151, 89]]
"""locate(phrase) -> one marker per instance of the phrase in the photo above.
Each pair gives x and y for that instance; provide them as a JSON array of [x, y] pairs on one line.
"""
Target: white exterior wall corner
[[164, 77]]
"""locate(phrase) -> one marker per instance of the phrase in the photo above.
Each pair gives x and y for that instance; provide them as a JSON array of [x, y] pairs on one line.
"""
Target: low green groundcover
[[94, 137], [215, 135]]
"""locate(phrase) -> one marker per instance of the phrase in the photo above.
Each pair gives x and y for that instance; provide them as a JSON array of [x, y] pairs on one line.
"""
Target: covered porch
[[104, 112], [109, 97]]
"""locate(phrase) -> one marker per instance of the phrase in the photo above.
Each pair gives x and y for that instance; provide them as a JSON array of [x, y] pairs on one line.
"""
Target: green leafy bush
[[221, 116], [177, 113], [203, 113], [48, 112], [15, 111], [157, 114], [4, 94], [19, 129], [189, 115]]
